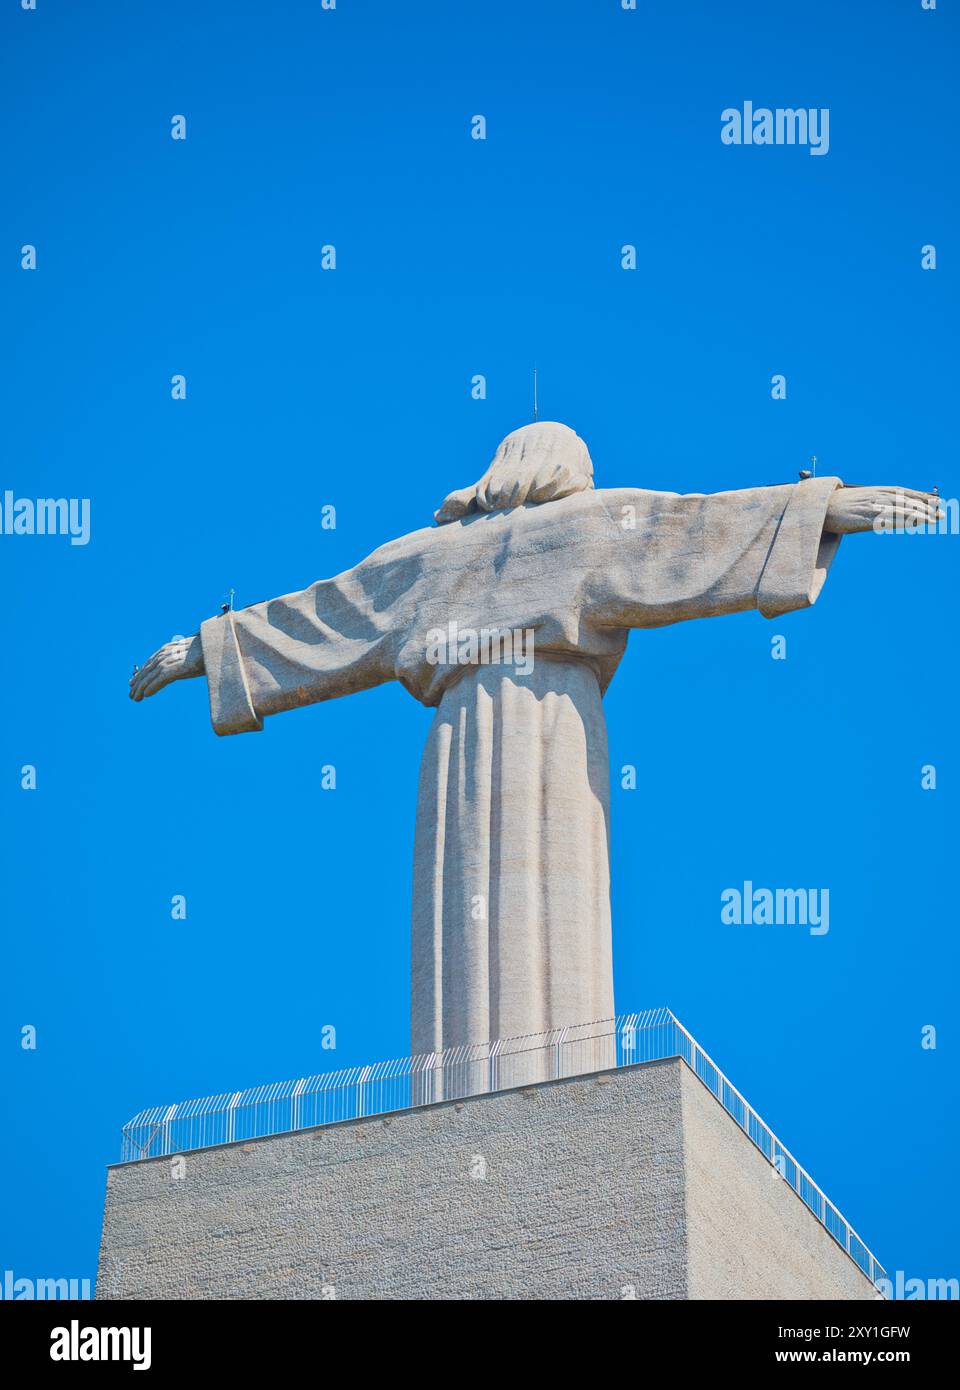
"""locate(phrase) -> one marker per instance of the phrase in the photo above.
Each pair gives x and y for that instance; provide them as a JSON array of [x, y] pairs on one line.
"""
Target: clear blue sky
[[352, 387]]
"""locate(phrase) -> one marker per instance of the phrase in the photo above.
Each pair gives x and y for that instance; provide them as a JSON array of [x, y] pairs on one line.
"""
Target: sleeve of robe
[[699, 555], [562, 569], [333, 638]]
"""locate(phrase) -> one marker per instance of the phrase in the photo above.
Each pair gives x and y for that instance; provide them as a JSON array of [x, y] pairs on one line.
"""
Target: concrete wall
[[626, 1183], [749, 1234]]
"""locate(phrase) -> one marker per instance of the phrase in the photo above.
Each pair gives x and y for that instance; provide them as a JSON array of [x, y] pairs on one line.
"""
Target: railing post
[[231, 1114], [295, 1103], [364, 1076], [493, 1066], [165, 1133], [559, 1046]]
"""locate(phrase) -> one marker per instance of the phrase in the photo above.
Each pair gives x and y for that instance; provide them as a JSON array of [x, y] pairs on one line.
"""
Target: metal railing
[[478, 1069]]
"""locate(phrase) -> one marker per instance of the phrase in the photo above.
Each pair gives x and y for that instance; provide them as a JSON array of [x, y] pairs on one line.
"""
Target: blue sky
[[352, 387]]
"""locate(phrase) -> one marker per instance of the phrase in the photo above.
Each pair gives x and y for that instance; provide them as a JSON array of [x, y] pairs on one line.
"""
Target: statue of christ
[[510, 617]]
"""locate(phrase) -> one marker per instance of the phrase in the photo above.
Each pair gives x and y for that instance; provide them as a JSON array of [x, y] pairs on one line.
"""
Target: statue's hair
[[541, 462]]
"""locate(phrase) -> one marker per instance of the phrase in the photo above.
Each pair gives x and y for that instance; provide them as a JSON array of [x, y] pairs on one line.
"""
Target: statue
[[510, 617]]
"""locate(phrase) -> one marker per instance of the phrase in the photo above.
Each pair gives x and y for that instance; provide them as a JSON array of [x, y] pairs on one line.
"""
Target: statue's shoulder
[[408, 546]]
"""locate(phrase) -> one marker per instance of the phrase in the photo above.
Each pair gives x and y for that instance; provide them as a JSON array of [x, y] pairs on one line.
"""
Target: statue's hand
[[175, 661], [880, 509]]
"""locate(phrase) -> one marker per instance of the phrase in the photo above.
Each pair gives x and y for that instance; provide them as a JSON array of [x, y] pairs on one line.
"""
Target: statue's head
[[541, 462]]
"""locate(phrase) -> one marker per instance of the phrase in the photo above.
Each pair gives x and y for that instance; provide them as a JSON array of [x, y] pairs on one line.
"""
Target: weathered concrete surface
[[748, 1233], [511, 877], [631, 1183]]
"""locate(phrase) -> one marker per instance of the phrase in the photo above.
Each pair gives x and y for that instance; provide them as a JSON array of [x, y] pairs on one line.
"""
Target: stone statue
[[510, 617]]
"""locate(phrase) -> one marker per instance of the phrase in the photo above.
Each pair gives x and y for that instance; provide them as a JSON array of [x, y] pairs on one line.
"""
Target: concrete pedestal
[[628, 1183]]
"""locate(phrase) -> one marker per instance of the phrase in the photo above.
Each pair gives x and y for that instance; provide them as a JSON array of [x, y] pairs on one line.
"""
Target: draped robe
[[511, 902]]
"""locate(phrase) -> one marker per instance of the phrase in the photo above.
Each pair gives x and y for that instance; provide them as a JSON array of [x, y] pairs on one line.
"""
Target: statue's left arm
[[331, 639]]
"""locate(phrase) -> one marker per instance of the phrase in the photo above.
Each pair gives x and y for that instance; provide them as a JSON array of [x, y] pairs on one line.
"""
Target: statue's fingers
[[922, 509], [920, 501], [136, 689], [156, 682], [157, 661], [901, 494], [900, 517], [146, 677], [143, 677]]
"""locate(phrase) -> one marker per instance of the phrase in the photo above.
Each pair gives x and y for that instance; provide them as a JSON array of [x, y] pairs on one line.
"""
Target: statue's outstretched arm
[[854, 509], [174, 661], [333, 638]]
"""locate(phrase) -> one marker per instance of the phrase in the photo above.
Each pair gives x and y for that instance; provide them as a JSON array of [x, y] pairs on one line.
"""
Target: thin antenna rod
[[534, 393]]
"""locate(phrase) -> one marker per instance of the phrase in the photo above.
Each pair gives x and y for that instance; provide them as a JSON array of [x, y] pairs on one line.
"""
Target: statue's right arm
[[854, 509]]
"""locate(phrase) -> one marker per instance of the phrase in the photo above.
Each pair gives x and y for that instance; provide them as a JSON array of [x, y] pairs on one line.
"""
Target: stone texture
[[749, 1235], [511, 914], [511, 918], [627, 1183], [511, 893]]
